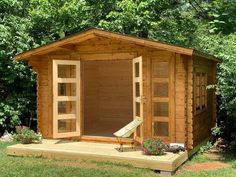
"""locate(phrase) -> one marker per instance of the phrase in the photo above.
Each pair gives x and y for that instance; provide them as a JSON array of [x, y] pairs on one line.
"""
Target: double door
[[67, 102]]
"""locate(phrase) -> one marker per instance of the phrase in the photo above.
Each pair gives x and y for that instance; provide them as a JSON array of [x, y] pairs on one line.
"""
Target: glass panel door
[[66, 98], [160, 99], [137, 95]]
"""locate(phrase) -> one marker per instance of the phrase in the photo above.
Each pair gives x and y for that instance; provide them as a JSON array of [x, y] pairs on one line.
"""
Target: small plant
[[153, 147], [26, 136], [217, 131], [206, 147]]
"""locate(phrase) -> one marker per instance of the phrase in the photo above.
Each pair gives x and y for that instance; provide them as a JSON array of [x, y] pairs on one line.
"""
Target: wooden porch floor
[[58, 149]]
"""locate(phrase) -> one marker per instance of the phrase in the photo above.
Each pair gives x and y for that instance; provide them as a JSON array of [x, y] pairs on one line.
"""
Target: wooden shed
[[93, 83]]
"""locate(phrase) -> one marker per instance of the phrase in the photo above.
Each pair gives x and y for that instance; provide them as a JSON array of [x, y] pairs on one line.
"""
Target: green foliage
[[153, 147], [17, 82], [224, 47], [155, 19], [26, 136], [205, 25], [222, 16], [206, 147], [217, 131]]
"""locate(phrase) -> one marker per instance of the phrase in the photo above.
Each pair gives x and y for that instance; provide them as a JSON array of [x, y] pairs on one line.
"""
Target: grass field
[[39, 167]]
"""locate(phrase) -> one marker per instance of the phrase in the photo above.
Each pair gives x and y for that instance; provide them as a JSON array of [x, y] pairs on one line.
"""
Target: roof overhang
[[71, 41]]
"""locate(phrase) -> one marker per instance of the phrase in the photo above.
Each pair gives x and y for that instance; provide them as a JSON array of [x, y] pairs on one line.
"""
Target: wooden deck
[[57, 149]]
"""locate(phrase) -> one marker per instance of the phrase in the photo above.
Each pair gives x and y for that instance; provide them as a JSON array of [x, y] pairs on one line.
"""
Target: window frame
[[200, 91]]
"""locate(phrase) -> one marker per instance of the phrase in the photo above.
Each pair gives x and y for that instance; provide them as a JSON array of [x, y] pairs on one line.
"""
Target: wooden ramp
[[57, 149]]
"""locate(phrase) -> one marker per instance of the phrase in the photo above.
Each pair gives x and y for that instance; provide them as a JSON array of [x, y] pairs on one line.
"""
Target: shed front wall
[[94, 49], [180, 84], [44, 95], [183, 99]]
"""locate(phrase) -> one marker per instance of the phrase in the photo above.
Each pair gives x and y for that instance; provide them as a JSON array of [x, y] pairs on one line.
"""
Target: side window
[[200, 92]]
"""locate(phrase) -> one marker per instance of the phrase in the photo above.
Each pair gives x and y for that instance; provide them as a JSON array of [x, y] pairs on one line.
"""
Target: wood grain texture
[[180, 96], [108, 96], [107, 90], [205, 120], [55, 149], [93, 33]]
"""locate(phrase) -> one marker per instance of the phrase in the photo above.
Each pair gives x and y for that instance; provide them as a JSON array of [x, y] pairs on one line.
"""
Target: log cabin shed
[[93, 83]]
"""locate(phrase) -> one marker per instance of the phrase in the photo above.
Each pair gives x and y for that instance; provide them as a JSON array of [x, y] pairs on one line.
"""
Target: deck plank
[[99, 152]]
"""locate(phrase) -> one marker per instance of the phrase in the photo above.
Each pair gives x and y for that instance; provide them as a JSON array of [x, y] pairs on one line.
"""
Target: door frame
[[56, 98], [138, 135]]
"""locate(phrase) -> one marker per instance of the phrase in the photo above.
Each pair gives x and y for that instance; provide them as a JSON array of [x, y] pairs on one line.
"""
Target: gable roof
[[94, 32]]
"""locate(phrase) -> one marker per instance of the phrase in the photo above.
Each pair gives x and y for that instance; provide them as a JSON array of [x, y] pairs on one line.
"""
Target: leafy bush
[[17, 81], [153, 147], [217, 131], [206, 147], [26, 136]]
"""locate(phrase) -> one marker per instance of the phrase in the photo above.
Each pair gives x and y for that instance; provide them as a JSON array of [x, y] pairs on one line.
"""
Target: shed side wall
[[204, 121]]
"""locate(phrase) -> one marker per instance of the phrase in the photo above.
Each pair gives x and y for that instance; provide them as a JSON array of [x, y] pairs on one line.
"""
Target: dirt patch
[[206, 166]]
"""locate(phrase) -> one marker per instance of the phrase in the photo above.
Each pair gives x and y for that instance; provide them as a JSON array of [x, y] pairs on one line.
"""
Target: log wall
[[184, 126]]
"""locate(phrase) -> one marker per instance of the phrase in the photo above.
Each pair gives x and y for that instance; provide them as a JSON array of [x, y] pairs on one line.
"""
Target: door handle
[[143, 99]]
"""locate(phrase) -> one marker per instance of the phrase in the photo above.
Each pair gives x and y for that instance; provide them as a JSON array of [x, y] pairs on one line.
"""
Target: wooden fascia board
[[144, 42], [55, 45], [207, 56]]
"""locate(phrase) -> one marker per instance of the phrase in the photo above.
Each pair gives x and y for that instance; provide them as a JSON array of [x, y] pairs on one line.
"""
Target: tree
[[16, 79]]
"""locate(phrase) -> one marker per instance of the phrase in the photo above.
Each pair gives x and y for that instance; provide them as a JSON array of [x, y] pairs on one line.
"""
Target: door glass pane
[[137, 109], [136, 69], [160, 70], [161, 129], [137, 89], [68, 125], [66, 89], [66, 71], [161, 89], [66, 107], [138, 131], [161, 109]]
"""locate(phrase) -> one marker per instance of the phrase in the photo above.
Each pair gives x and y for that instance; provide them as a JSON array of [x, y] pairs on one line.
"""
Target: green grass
[[40, 167]]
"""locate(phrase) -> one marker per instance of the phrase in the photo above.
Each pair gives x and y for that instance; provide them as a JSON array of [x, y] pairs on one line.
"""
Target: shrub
[[153, 147], [26, 136], [206, 147]]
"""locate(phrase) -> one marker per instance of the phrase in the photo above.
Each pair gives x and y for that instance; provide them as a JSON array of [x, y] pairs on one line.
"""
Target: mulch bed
[[206, 166]]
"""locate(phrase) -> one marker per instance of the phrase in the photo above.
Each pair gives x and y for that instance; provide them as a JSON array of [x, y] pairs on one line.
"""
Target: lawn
[[32, 167]]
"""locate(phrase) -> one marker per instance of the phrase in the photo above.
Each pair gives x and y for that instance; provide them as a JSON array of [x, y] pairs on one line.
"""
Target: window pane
[[197, 91], [203, 101], [66, 107], [161, 89], [66, 89], [136, 69], [138, 131], [66, 71], [137, 109], [137, 89], [68, 125], [161, 109], [197, 103], [160, 70], [161, 129], [197, 79], [203, 79], [203, 90]]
